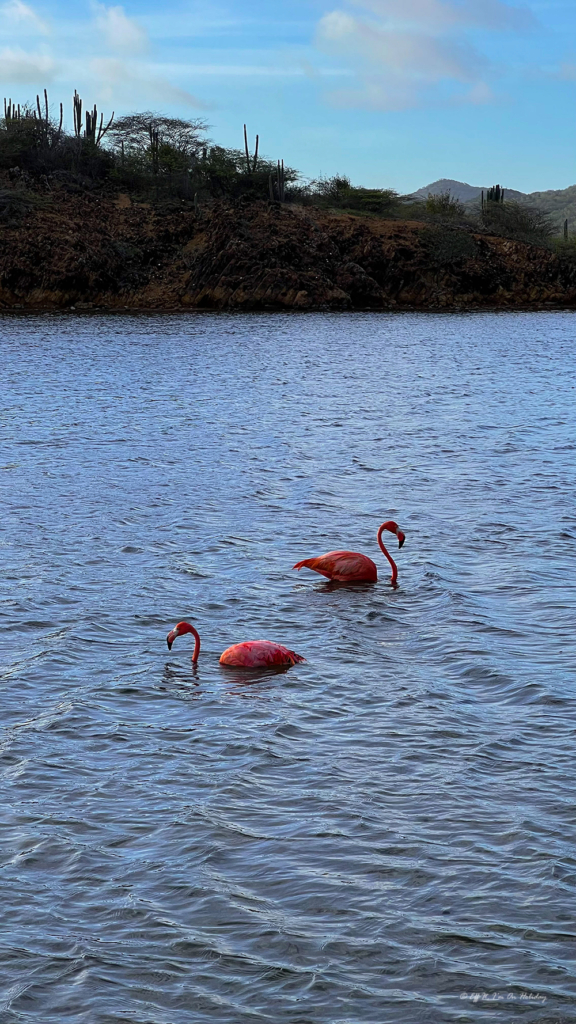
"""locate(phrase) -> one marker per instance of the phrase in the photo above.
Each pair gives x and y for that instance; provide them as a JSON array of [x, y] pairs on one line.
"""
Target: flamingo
[[250, 654], [351, 566]]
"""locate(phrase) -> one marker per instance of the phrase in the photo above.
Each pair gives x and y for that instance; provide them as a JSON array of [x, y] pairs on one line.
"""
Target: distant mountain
[[559, 204], [461, 190]]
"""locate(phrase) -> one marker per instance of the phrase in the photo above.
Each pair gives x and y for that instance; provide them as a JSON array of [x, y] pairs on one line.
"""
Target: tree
[[167, 141]]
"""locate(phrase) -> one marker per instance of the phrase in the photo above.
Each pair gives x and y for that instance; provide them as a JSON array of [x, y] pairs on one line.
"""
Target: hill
[[459, 190], [103, 251], [559, 204]]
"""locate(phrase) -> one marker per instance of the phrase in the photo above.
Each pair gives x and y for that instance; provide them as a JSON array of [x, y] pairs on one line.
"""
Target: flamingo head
[[394, 528], [179, 629]]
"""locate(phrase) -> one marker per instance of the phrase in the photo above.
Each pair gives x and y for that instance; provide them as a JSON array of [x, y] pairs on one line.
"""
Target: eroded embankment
[[96, 251]]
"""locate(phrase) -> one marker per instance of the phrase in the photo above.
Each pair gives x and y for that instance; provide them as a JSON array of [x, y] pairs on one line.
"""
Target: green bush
[[444, 206], [337, 193], [518, 221]]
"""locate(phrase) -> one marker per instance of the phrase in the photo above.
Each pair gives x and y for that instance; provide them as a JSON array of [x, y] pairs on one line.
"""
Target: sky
[[392, 93]]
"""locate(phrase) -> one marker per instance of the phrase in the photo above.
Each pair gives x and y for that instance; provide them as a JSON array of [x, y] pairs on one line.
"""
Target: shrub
[[338, 193], [519, 221], [565, 249], [443, 206]]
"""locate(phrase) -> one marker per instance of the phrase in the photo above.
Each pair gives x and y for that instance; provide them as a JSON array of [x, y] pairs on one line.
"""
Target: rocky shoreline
[[95, 251]]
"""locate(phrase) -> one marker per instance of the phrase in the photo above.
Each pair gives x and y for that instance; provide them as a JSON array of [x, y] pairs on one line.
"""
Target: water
[[383, 834]]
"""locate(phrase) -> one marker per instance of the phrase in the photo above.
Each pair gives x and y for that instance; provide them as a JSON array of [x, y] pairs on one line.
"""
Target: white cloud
[[17, 13], [412, 52], [132, 83], [104, 58], [119, 31], [26, 68], [439, 15]]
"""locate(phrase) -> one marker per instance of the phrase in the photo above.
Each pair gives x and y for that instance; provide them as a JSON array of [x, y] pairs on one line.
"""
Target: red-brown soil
[[89, 250]]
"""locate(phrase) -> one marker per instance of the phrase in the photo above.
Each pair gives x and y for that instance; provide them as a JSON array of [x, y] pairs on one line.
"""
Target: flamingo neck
[[186, 627], [388, 556]]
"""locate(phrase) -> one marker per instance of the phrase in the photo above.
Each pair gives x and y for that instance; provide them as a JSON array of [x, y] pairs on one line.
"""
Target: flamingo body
[[259, 654], [351, 566], [342, 567], [250, 654]]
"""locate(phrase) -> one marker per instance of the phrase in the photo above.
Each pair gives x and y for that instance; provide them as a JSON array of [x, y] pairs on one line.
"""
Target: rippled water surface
[[383, 834]]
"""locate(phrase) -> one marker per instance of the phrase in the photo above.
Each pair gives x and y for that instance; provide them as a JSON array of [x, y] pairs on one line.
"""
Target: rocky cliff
[[89, 250]]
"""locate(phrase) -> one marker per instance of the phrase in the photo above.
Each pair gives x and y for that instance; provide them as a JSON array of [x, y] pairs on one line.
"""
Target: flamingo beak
[[171, 638], [401, 538]]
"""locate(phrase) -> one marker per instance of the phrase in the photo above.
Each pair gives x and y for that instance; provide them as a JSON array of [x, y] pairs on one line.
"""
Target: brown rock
[[112, 252]]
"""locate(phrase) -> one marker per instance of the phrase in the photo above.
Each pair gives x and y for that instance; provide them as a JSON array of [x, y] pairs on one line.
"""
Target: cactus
[[251, 164], [280, 181], [566, 230], [13, 113], [91, 121], [77, 104], [495, 194], [155, 149], [93, 132]]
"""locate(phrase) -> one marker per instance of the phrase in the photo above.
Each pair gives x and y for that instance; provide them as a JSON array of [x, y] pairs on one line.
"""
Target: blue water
[[383, 834]]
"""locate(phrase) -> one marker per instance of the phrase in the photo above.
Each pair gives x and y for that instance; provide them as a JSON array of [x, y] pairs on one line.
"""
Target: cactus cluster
[[11, 111], [277, 189], [93, 132], [14, 115], [495, 194]]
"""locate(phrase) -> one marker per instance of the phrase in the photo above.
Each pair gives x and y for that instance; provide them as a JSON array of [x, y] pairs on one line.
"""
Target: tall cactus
[[280, 182], [11, 111], [77, 104], [251, 163]]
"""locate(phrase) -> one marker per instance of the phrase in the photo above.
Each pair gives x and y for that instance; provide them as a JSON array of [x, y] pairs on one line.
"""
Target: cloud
[[20, 14], [439, 15], [120, 32], [414, 52], [567, 71], [26, 68], [133, 83], [104, 57], [130, 80]]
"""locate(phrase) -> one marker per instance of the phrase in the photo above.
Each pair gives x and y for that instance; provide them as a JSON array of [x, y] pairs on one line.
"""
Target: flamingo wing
[[259, 654], [342, 567]]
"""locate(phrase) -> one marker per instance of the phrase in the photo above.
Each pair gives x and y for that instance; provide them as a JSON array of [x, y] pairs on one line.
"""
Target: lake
[[382, 834]]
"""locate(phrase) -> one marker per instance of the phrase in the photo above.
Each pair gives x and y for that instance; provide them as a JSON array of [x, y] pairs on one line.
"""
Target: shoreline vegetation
[[144, 212]]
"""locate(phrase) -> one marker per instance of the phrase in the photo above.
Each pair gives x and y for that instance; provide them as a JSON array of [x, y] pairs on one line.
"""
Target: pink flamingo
[[351, 566], [250, 654]]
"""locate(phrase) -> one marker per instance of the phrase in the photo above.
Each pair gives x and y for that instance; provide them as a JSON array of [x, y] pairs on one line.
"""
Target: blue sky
[[394, 93]]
